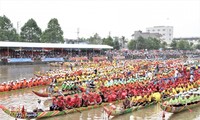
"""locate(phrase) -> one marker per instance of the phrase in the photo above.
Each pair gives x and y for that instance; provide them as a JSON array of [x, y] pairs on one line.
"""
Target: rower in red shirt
[[77, 101], [109, 96], [124, 94], [69, 102], [98, 98], [54, 104], [61, 104], [84, 100], [91, 100]]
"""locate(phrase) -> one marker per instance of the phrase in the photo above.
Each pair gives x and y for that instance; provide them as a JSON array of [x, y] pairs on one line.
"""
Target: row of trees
[[31, 32], [142, 43], [184, 45], [152, 43], [116, 42]]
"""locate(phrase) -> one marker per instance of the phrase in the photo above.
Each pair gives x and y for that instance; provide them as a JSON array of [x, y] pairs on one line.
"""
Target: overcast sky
[[120, 17]]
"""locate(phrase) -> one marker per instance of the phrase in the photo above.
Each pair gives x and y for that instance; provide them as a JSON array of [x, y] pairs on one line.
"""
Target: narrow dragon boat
[[46, 114], [118, 112], [46, 94], [177, 109], [124, 111]]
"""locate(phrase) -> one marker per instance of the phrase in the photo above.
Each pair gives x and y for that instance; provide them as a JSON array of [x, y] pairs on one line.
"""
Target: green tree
[[197, 46], [116, 44], [150, 43], [108, 41], [7, 32], [183, 45], [173, 44], [191, 44], [132, 44], [30, 32], [53, 33], [156, 43], [96, 39], [123, 41], [164, 44], [141, 43]]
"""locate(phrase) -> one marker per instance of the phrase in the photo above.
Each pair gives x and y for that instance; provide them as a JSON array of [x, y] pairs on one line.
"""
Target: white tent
[[52, 45]]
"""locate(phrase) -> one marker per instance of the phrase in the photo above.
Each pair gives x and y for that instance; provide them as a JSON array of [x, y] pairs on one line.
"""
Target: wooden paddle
[[77, 110], [188, 108], [67, 114]]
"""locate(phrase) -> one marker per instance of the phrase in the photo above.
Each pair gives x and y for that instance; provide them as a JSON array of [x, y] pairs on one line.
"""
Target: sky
[[119, 17]]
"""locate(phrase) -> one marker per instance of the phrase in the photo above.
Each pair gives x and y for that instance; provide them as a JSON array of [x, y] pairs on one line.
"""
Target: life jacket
[[54, 101], [1, 88], [24, 85], [76, 101], [114, 97], [91, 100], [60, 103], [85, 100], [98, 99], [69, 103], [110, 98], [14, 86], [30, 83], [124, 94], [6, 88]]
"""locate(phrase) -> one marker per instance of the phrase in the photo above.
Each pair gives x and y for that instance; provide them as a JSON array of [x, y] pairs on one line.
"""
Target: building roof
[[188, 38], [52, 45], [147, 33]]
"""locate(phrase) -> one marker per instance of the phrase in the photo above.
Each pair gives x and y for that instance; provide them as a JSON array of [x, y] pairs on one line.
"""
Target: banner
[[19, 60], [99, 58], [78, 59], [119, 58], [52, 60]]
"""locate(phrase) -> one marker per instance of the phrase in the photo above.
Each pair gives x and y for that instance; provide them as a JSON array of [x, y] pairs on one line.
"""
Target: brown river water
[[29, 100]]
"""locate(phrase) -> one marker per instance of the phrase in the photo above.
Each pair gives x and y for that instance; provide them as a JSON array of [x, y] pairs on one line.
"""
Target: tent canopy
[[52, 45]]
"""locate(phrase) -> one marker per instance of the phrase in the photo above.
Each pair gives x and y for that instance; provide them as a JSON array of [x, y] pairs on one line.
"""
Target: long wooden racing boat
[[116, 112], [124, 111], [46, 114], [45, 94], [177, 109]]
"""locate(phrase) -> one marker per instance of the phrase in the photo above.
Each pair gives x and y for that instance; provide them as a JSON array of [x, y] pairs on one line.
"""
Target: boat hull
[[174, 109], [117, 113], [45, 94], [46, 114]]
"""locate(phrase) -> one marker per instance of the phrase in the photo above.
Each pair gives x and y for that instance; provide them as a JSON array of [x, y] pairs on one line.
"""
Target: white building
[[145, 35], [165, 31]]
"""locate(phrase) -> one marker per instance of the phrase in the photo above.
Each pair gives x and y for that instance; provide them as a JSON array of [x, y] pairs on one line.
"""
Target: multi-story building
[[165, 31], [145, 35]]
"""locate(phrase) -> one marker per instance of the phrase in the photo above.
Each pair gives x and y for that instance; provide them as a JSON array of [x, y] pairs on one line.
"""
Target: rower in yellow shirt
[[55, 88], [157, 96], [140, 100], [174, 91], [134, 101], [148, 99]]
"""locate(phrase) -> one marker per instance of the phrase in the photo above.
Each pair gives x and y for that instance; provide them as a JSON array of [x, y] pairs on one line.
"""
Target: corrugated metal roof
[[52, 45]]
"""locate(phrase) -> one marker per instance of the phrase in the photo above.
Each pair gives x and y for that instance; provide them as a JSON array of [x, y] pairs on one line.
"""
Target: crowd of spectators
[[152, 54], [66, 54]]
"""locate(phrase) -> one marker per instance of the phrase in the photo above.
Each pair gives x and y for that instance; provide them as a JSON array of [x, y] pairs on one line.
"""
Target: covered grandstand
[[12, 52]]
